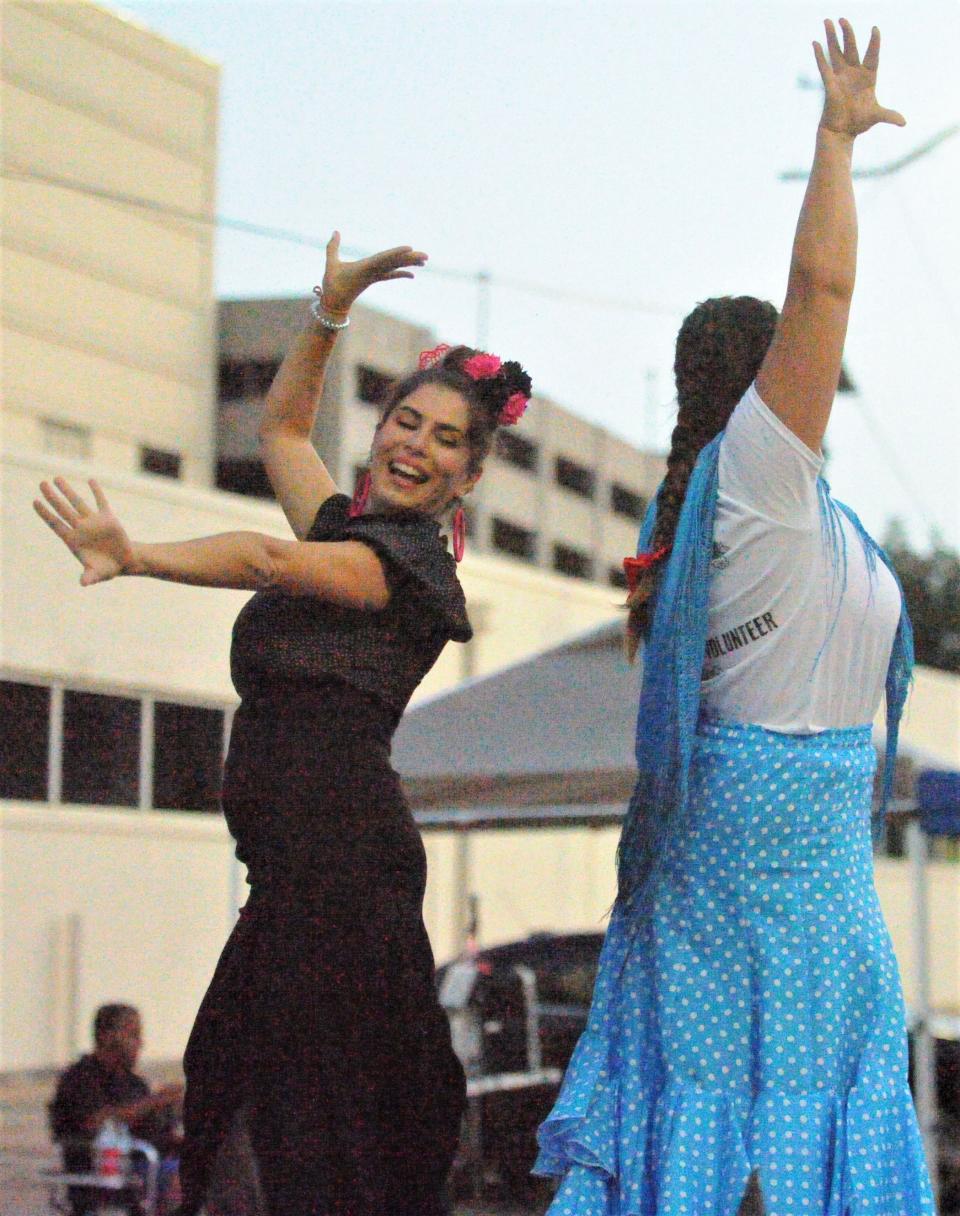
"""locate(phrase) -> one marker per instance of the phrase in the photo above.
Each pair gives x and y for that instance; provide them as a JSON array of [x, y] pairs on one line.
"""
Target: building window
[[627, 502], [101, 749], [616, 577], [159, 462], [240, 378], [517, 450], [573, 562], [514, 540], [65, 438], [247, 476], [187, 757], [24, 728], [372, 386], [575, 477]]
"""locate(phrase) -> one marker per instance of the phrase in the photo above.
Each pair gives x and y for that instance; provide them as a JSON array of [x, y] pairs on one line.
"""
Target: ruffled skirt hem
[[687, 1151]]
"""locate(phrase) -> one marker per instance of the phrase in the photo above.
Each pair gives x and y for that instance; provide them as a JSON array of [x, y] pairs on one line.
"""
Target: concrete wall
[[102, 905], [107, 307], [139, 633]]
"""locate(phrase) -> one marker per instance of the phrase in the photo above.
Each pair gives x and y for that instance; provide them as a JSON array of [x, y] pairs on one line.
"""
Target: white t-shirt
[[794, 643]]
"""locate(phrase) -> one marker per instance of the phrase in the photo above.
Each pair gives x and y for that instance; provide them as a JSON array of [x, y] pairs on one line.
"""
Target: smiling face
[[421, 454]]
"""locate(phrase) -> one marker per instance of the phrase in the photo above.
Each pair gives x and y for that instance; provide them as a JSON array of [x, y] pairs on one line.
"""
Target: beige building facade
[[558, 493], [107, 306]]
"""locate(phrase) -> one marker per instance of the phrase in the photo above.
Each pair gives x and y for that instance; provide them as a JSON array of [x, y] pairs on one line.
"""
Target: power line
[[885, 449], [482, 279], [893, 166]]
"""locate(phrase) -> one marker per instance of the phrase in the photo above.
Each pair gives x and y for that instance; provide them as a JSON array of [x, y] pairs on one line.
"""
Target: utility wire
[[481, 278], [887, 451], [892, 166]]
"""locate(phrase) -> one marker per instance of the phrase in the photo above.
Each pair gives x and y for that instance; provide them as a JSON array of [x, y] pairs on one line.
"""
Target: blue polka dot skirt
[[753, 1019]]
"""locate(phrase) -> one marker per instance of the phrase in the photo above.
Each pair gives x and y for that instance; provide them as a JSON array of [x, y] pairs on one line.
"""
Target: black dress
[[322, 1022]]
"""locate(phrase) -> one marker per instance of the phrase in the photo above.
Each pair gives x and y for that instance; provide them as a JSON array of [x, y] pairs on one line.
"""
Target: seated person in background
[[104, 1086]]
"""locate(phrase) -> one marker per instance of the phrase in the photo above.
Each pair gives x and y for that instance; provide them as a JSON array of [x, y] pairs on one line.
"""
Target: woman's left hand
[[344, 281], [95, 538], [850, 104]]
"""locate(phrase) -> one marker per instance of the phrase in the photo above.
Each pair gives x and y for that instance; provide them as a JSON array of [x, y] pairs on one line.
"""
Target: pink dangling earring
[[360, 495], [459, 534]]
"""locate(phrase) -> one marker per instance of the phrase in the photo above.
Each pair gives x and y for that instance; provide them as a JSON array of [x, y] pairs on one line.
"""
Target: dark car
[[517, 1011]]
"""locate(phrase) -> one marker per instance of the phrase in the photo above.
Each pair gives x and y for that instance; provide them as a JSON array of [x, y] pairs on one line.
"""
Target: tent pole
[[924, 1064]]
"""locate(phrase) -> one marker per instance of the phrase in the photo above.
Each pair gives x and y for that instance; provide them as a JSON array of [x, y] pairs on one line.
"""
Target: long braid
[[720, 348], [685, 446]]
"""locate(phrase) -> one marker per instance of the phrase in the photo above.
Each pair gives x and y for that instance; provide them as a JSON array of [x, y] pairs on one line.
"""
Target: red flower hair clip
[[512, 411], [633, 567], [482, 366], [430, 358]]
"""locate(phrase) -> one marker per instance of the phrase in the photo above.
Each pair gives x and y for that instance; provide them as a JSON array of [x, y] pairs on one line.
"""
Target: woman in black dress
[[321, 1025]]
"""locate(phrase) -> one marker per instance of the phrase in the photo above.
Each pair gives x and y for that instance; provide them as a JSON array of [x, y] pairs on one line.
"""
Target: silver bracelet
[[316, 307]]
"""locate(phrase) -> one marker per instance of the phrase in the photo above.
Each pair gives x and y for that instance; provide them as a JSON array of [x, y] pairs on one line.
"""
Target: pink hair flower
[[513, 409], [482, 366], [430, 358]]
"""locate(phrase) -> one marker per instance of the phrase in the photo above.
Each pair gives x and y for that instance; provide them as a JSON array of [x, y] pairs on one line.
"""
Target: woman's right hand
[[96, 538], [850, 104], [344, 281]]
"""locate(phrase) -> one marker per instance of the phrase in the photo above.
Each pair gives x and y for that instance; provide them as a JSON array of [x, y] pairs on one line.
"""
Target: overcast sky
[[606, 153]]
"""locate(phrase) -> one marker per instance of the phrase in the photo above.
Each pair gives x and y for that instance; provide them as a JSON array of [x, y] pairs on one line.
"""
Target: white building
[[559, 493]]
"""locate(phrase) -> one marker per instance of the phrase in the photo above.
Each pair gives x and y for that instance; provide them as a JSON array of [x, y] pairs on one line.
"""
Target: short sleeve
[[765, 468], [77, 1099], [330, 516], [421, 574]]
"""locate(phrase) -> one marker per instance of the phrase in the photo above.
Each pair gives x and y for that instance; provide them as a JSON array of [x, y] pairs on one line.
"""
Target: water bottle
[[111, 1147]]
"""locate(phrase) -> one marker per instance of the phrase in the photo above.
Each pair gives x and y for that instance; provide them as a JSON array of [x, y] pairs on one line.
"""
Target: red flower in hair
[[482, 366], [430, 358], [633, 567], [513, 409]]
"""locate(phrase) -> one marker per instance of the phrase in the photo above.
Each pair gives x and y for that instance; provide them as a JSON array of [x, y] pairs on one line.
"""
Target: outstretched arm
[[347, 573], [297, 474], [799, 376]]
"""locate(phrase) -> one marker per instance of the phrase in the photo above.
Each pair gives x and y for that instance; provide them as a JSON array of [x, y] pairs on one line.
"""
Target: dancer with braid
[[745, 1050], [321, 1024]]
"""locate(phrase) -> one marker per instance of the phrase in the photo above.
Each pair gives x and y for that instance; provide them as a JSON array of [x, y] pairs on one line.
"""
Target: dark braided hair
[[720, 348], [485, 398]]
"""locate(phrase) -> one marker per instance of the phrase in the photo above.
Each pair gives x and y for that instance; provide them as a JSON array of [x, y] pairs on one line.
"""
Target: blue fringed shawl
[[673, 658]]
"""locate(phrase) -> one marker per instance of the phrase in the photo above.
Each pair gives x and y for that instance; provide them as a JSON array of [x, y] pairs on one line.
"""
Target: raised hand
[[96, 538], [344, 281], [850, 104]]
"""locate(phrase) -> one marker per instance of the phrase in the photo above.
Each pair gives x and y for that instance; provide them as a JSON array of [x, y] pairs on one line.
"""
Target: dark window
[[163, 464], [101, 749], [246, 377], [575, 477], [512, 539], [517, 450], [244, 477], [187, 756], [572, 561], [616, 577], [372, 386], [24, 727], [626, 502]]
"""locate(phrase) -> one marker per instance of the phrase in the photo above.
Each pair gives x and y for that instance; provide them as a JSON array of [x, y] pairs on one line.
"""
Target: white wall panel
[[141, 331], [46, 137], [77, 386], [151, 254], [87, 75]]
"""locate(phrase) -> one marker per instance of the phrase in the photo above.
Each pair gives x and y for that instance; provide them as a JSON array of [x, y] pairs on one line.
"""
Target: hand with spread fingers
[[96, 538], [850, 104], [344, 281]]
